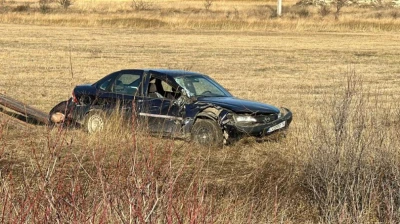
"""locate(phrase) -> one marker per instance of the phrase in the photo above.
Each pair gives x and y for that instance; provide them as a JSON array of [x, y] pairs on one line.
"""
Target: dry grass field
[[339, 163], [195, 15]]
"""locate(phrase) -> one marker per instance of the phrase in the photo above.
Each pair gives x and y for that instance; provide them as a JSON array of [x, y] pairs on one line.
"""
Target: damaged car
[[176, 103]]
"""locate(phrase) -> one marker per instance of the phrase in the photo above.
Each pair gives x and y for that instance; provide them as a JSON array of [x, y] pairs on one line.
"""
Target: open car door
[[158, 109]]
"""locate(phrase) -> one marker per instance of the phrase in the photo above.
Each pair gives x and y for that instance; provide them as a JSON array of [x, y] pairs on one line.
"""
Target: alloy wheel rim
[[95, 123], [204, 136]]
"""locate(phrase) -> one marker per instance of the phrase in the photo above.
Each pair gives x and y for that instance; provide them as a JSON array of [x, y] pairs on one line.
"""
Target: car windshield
[[201, 86]]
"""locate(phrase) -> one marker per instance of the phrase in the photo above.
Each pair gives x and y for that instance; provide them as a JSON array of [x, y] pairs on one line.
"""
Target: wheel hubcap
[[95, 123], [204, 136]]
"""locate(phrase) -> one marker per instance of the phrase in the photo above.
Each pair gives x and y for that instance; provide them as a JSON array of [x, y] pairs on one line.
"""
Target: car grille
[[266, 118]]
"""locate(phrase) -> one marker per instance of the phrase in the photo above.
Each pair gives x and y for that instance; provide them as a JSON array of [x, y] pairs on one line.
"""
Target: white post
[[279, 8]]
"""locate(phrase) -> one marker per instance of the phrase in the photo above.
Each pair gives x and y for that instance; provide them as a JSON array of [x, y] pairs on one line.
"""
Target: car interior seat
[[160, 88], [153, 91], [118, 87]]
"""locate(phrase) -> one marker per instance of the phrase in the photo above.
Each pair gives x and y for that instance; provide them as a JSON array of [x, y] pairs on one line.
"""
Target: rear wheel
[[95, 121], [206, 132]]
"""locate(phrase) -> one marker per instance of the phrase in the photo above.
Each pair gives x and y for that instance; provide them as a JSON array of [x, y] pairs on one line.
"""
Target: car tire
[[206, 132], [94, 121]]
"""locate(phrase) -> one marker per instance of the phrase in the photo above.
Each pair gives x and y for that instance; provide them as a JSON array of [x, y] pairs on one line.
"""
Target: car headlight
[[245, 118], [282, 112]]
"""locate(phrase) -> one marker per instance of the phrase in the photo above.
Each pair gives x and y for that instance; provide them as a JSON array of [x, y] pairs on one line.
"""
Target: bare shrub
[[235, 14], [339, 4], [324, 10], [22, 8], [263, 12], [207, 4], [141, 5], [378, 15], [306, 2], [382, 4], [65, 3], [295, 12], [44, 6], [395, 14], [353, 168], [303, 12]]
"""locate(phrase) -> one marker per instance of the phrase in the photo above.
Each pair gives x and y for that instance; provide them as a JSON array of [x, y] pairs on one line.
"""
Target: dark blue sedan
[[174, 103]]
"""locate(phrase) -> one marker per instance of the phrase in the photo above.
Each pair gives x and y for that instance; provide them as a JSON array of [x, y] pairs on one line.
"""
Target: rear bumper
[[76, 113], [260, 130], [79, 112]]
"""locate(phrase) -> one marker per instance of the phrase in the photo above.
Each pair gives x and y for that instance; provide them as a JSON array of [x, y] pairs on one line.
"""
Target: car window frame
[[114, 76], [164, 78], [210, 80]]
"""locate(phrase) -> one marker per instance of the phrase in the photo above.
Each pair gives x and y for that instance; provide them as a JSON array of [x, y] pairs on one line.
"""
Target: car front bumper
[[235, 130]]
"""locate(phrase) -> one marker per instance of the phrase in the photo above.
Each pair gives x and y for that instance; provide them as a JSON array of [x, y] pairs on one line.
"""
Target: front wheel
[[94, 121], [206, 132]]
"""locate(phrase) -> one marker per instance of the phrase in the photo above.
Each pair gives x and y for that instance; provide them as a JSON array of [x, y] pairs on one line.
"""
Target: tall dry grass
[[342, 168], [339, 162], [352, 169]]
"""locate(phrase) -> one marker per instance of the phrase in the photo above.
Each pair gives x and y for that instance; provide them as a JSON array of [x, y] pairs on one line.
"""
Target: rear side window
[[127, 84], [105, 84], [128, 79]]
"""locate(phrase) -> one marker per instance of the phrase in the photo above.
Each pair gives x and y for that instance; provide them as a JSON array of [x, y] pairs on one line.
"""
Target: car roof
[[173, 72]]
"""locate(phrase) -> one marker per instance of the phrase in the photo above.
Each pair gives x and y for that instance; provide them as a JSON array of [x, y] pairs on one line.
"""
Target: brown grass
[[222, 15], [339, 162]]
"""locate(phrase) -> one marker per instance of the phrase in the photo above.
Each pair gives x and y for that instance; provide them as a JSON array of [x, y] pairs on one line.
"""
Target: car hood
[[239, 105]]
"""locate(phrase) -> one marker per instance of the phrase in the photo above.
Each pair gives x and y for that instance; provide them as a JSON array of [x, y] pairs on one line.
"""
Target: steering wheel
[[207, 92]]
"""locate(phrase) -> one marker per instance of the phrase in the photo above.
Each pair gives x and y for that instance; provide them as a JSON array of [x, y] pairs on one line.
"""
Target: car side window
[[105, 84], [160, 89], [127, 84]]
